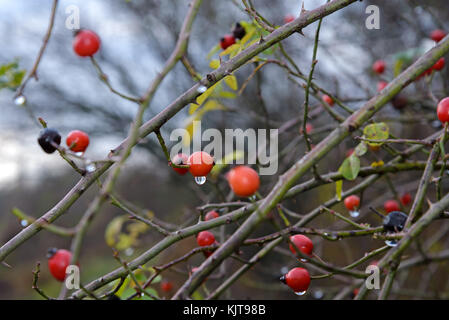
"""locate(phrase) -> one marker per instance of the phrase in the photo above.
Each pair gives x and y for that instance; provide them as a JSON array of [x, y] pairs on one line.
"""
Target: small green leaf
[[213, 51], [361, 149], [214, 64], [350, 167], [376, 131], [231, 81], [339, 188]]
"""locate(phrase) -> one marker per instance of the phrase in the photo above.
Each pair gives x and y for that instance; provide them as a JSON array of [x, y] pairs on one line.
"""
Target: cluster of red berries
[[238, 32], [49, 140]]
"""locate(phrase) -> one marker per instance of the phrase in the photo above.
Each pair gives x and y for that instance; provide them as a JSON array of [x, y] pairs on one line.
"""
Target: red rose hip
[[205, 238], [352, 202], [58, 261], [77, 141], [298, 279], [211, 215], [379, 66], [86, 43], [328, 100], [227, 41], [180, 159], [303, 243], [244, 181], [437, 35], [391, 205], [200, 163], [443, 110]]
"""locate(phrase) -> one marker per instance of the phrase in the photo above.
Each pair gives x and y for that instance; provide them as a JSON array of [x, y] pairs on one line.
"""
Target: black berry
[[399, 102], [238, 31], [394, 221], [47, 137]]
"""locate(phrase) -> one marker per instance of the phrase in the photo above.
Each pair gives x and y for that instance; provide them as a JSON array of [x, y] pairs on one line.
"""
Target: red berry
[[391, 205], [180, 159], [379, 66], [443, 110], [381, 85], [355, 291], [309, 128], [86, 43], [205, 238], [227, 41], [243, 180], [166, 286], [406, 198], [58, 262], [352, 202], [298, 279], [77, 141], [437, 35], [289, 18], [211, 215], [200, 163], [328, 100], [303, 243], [439, 65]]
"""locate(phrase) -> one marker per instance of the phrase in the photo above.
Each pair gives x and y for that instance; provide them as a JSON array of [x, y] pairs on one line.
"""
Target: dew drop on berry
[[79, 154], [201, 89], [252, 198], [20, 100], [300, 293], [90, 167], [303, 260], [200, 180], [23, 223], [391, 243], [436, 124], [354, 213]]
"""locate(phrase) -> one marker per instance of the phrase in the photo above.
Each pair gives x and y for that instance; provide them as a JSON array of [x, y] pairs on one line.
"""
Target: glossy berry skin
[[180, 159], [200, 163], [437, 35], [289, 18], [303, 243], [406, 198], [298, 279], [244, 181], [395, 221], [77, 141], [352, 202], [328, 100], [86, 43], [379, 66], [205, 238], [227, 41], [391, 205], [439, 65], [399, 102], [381, 85], [46, 137], [443, 110], [166, 286], [211, 215], [58, 262], [239, 31]]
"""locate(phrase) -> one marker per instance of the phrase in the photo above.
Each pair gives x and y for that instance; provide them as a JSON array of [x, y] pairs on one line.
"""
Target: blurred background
[[137, 37]]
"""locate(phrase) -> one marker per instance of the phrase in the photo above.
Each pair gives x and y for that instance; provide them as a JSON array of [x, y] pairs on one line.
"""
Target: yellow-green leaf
[[214, 64], [376, 131], [339, 188], [230, 49], [231, 81], [350, 167]]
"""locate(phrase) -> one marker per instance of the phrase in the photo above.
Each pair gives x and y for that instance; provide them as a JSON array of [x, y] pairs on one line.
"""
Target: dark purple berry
[[395, 221], [46, 139], [238, 31]]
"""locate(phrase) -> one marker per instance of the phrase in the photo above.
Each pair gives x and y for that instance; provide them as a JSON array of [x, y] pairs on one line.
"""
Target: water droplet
[[354, 213], [391, 243], [436, 124], [24, 223], [303, 260], [318, 294], [20, 100], [300, 293], [200, 180], [129, 251], [284, 270], [201, 89], [90, 167], [79, 154], [252, 198]]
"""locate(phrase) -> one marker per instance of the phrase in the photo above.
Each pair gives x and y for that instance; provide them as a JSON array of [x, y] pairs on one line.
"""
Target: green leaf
[[350, 167], [214, 64], [213, 51], [230, 49], [231, 81], [361, 149], [376, 131], [339, 188]]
